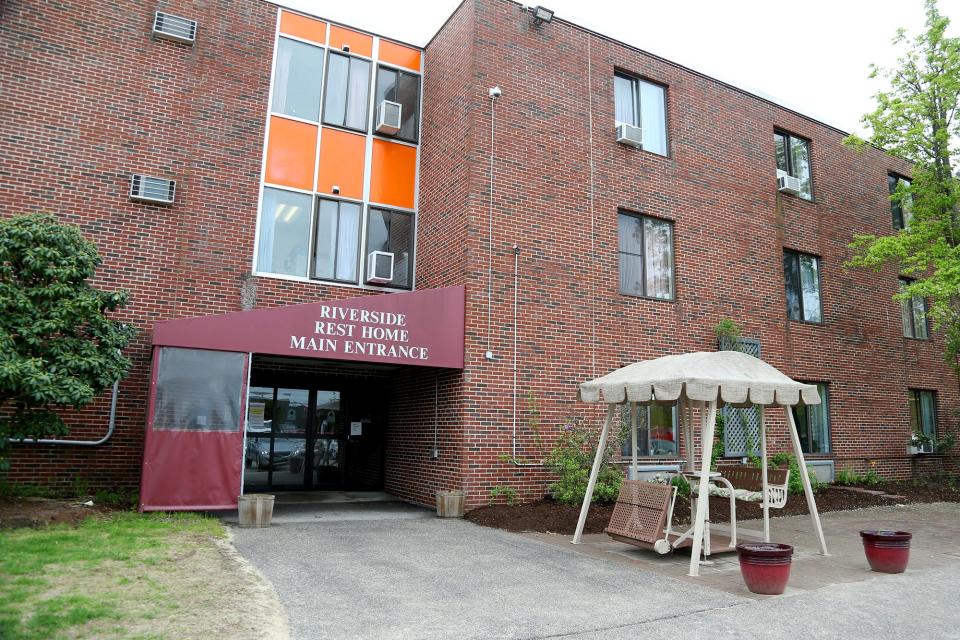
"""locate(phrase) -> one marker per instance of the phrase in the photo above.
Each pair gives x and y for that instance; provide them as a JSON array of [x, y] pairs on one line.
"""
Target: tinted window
[[348, 85], [404, 89]]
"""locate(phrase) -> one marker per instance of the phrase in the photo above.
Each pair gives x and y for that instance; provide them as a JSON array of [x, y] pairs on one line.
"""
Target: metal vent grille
[[741, 427], [149, 189], [171, 27]]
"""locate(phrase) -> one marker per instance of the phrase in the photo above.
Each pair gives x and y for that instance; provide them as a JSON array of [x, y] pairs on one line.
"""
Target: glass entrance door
[[313, 439], [277, 430]]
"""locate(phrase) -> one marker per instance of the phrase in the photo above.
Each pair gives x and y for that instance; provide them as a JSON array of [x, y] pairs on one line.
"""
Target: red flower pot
[[887, 551], [765, 566]]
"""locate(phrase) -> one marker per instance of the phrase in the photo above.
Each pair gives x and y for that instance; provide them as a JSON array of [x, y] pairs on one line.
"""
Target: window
[[793, 158], [198, 390], [923, 413], [656, 431], [403, 88], [901, 207], [914, 312], [646, 257], [296, 82], [284, 232], [642, 104], [813, 423], [392, 232], [802, 274], [345, 100], [336, 249]]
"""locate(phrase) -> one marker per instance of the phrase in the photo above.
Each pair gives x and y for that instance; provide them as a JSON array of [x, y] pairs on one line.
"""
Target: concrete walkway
[[402, 573]]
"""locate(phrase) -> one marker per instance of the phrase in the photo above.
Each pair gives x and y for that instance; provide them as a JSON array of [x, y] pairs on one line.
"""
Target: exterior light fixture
[[541, 14]]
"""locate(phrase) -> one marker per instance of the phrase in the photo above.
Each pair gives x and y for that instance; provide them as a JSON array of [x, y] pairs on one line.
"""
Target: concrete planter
[[887, 551], [765, 566], [450, 504], [255, 510]]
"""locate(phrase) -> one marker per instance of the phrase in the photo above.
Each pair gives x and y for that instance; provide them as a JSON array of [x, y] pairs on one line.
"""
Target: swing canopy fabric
[[725, 377]]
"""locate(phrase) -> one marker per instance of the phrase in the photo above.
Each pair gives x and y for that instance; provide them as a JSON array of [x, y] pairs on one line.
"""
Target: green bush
[[683, 487], [571, 460], [795, 483], [509, 493]]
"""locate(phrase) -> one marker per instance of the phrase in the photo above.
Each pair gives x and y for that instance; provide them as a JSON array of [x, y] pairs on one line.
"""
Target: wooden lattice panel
[[641, 511]]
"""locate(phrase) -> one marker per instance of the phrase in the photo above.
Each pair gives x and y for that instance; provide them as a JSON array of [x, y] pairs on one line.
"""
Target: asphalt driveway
[[398, 572]]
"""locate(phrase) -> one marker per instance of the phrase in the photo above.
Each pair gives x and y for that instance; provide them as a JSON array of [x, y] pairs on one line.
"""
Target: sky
[[812, 56]]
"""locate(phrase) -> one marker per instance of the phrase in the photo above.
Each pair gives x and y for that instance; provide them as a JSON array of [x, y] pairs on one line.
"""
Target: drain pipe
[[516, 327], [80, 443]]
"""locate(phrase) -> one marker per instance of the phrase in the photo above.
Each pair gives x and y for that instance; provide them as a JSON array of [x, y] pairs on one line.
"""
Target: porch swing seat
[[640, 515], [747, 484]]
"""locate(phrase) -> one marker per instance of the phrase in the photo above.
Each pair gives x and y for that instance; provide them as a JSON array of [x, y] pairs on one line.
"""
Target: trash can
[[255, 509], [450, 504]]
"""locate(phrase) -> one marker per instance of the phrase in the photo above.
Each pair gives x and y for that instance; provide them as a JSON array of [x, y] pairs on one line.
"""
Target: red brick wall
[[558, 186]]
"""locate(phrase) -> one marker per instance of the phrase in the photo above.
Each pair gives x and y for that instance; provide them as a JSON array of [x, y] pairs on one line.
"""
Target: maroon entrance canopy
[[422, 328]]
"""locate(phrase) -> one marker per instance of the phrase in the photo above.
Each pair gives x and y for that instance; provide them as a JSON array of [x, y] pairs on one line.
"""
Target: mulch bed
[[41, 512], [552, 517]]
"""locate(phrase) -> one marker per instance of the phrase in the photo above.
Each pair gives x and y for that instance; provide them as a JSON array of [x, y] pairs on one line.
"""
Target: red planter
[[765, 566], [887, 551]]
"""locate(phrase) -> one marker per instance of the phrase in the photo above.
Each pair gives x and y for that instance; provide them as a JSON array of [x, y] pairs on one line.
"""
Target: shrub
[[571, 460], [795, 483], [509, 493]]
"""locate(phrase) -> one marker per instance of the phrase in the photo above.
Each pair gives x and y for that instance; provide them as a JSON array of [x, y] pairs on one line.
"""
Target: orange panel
[[400, 55], [341, 163], [291, 153], [359, 43], [294, 24], [393, 174]]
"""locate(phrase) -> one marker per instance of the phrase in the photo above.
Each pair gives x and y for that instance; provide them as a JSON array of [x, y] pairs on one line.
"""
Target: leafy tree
[[916, 119], [58, 348]]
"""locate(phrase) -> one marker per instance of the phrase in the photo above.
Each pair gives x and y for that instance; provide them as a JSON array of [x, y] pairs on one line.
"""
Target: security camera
[[495, 92]]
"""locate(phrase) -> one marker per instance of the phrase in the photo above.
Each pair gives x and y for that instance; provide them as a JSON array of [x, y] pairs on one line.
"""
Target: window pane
[[335, 95], [284, 233], [800, 163], [895, 209], [631, 254], [357, 91], [326, 243], [643, 433], [408, 95], [348, 241], [791, 273], [906, 312], [919, 308], [198, 390], [663, 438], [906, 204], [658, 247], [624, 100], [802, 419], [386, 85], [392, 232], [653, 117], [928, 413], [780, 144], [296, 83], [817, 416], [915, 411], [810, 283]]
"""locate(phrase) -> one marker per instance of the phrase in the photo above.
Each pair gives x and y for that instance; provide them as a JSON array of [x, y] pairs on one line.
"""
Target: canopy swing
[[703, 380]]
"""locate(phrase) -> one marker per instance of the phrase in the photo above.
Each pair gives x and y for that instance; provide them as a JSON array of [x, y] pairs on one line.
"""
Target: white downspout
[[81, 443]]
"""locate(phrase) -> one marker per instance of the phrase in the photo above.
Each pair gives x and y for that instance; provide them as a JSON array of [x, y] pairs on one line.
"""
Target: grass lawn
[[124, 575]]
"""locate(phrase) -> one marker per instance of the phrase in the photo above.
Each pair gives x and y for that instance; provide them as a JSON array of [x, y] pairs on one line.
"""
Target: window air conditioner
[[787, 183], [149, 189], [171, 27], [388, 117], [380, 267], [629, 135]]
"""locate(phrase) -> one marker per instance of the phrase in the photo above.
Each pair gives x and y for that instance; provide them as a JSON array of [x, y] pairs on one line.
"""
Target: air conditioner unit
[[149, 189], [171, 27], [630, 135], [787, 183], [388, 117], [379, 267]]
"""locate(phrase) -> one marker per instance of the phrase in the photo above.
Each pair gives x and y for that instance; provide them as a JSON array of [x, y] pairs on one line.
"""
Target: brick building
[[372, 267]]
